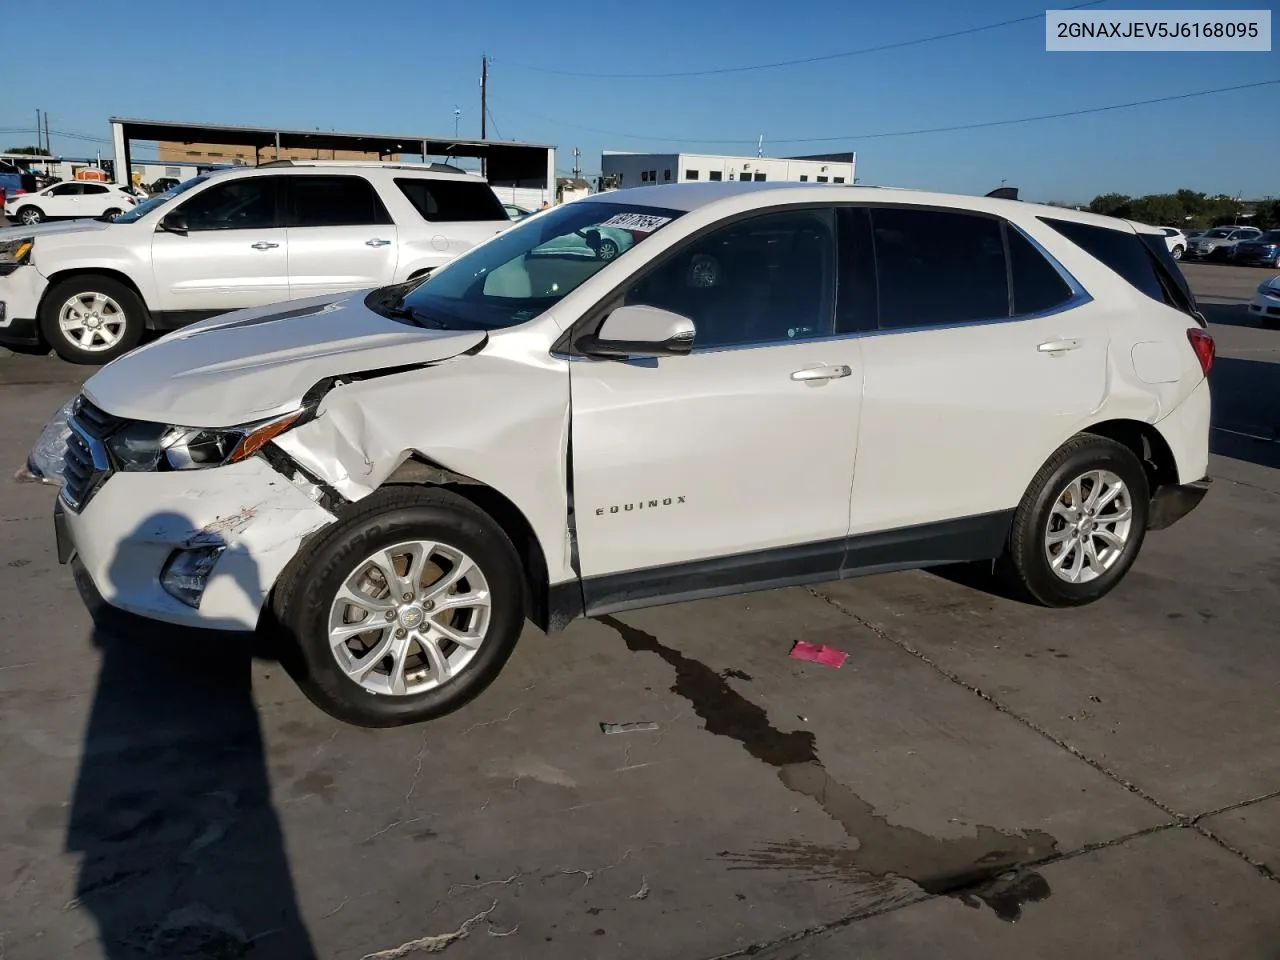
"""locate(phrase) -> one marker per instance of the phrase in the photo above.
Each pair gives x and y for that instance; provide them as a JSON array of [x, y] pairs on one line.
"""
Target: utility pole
[[38, 140], [577, 170], [48, 144], [484, 94], [457, 115]]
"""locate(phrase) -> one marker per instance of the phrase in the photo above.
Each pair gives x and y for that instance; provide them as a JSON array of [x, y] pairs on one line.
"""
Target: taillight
[[1202, 344]]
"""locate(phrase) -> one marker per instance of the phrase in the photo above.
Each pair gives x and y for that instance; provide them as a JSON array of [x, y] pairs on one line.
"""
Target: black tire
[[1177, 253], [135, 314], [29, 216], [113, 212], [1025, 570], [302, 598]]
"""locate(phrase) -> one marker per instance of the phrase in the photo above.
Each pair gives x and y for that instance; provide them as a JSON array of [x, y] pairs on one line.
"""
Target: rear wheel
[[1177, 253], [92, 318], [1080, 524], [403, 611], [607, 250], [112, 213]]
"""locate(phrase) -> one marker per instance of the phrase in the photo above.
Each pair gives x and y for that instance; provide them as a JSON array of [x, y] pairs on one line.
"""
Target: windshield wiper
[[399, 311]]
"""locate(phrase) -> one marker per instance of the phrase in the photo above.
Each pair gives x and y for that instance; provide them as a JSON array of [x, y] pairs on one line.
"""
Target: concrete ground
[[980, 779]]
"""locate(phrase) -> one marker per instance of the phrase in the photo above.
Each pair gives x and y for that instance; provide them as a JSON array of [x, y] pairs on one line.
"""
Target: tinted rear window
[[937, 267], [445, 201], [334, 201], [1121, 250]]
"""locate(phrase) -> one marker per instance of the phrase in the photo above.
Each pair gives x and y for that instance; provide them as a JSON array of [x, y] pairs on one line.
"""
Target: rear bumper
[[1170, 504]]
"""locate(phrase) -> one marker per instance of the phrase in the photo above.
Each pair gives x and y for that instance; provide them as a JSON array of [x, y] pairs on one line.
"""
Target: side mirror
[[639, 331], [174, 223]]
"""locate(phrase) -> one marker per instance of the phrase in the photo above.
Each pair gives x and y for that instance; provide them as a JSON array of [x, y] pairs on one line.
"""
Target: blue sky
[[401, 66]]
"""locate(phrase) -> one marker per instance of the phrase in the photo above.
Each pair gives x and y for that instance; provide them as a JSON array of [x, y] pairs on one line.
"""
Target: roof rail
[[383, 164]]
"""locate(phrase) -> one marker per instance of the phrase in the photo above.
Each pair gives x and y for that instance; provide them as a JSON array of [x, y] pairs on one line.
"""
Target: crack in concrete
[[1179, 820]]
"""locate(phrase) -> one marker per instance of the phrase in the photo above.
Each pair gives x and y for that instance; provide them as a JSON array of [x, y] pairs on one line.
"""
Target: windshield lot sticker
[[639, 222]]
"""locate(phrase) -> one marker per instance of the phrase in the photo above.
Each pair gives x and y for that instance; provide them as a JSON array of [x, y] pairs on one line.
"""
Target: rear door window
[[446, 201], [938, 267], [334, 201]]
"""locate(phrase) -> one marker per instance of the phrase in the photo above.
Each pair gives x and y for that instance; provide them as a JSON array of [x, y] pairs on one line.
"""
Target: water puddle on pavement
[[983, 867]]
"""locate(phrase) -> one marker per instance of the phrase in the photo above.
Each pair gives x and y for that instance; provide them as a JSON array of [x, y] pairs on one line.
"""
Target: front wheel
[[92, 319], [607, 251], [1177, 253], [112, 213], [30, 216], [404, 610], [1080, 524]]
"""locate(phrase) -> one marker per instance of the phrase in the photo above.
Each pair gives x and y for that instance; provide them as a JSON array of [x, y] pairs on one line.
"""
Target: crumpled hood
[[252, 364], [83, 225]]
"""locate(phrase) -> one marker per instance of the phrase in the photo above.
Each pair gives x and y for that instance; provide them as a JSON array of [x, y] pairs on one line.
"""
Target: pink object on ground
[[819, 653]]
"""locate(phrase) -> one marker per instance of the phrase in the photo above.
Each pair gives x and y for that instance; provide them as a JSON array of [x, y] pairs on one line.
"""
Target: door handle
[[376, 243], [1058, 346], [822, 373], [265, 245]]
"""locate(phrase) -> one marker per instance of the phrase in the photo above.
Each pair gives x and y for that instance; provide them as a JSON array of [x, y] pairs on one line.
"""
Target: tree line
[[1187, 208]]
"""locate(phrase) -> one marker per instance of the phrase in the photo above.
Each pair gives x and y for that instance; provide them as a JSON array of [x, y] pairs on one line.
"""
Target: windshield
[[530, 267], [159, 200]]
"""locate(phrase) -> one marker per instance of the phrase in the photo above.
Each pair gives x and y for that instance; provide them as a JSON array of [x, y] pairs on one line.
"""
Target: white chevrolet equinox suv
[[767, 386], [238, 238]]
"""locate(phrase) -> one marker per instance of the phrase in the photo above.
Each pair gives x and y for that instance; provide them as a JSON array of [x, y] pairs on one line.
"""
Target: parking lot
[[980, 779]]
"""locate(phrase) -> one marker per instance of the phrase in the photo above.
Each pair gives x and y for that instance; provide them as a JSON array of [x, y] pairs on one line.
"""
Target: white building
[[622, 169]]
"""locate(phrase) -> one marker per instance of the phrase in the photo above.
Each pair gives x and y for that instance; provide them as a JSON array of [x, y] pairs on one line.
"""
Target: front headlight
[[142, 447], [16, 251]]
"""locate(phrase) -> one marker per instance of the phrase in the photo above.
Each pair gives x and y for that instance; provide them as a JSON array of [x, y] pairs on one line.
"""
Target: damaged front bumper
[[249, 519]]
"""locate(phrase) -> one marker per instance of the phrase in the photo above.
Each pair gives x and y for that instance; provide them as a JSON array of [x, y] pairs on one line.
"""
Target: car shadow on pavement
[[1246, 410], [1232, 315], [182, 854]]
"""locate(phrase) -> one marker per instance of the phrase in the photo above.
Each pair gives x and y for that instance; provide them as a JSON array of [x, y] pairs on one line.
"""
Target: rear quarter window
[[451, 201], [1142, 259], [1121, 250]]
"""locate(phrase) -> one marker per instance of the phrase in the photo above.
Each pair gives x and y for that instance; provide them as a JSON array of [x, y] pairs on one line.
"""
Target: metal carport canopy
[[507, 163]]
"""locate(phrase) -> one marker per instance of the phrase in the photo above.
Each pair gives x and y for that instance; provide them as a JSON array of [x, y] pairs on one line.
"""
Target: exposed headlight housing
[[16, 252], [142, 447]]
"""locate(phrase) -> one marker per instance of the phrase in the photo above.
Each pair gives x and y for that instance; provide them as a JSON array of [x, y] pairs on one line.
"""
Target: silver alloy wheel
[[410, 617], [92, 321], [1089, 526], [608, 250], [30, 216], [1177, 253]]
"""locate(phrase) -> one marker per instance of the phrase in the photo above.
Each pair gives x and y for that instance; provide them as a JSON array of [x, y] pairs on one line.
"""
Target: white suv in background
[[234, 239], [69, 199], [769, 385]]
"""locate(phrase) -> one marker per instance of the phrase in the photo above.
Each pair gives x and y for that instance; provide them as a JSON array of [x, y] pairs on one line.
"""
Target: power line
[[923, 130], [799, 60]]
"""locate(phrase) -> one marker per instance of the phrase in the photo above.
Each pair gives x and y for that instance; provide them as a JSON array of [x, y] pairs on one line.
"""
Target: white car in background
[[69, 199], [238, 238], [1176, 241], [393, 481], [1266, 301]]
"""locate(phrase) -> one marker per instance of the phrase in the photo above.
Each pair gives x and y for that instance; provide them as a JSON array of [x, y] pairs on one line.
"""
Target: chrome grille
[[85, 464]]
